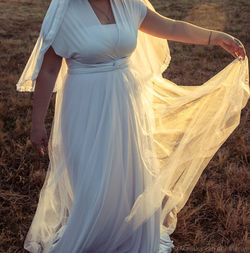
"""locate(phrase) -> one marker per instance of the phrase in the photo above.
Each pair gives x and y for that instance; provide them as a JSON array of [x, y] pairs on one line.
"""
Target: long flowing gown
[[100, 147], [99, 136]]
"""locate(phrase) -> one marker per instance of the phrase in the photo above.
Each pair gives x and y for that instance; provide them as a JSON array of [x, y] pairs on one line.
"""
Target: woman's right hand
[[38, 137]]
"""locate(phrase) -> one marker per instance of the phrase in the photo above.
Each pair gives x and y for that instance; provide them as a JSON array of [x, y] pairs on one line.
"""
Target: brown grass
[[216, 216]]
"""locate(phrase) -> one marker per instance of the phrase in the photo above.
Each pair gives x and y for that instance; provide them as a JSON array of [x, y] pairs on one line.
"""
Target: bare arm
[[44, 85], [43, 90], [181, 31]]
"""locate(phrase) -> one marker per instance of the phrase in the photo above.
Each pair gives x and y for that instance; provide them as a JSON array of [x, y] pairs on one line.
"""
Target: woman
[[126, 146]]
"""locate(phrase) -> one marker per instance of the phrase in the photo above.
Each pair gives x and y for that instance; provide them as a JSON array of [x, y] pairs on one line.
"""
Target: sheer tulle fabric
[[176, 130]]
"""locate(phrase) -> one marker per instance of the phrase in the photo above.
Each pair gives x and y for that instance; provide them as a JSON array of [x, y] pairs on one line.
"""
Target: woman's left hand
[[230, 44]]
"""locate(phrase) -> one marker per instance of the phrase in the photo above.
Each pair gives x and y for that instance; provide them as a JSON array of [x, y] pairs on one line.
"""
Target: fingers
[[45, 142], [234, 47], [239, 49], [37, 147], [39, 140], [230, 50]]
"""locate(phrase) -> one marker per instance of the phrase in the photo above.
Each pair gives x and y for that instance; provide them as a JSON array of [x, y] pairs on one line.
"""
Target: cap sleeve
[[139, 10]]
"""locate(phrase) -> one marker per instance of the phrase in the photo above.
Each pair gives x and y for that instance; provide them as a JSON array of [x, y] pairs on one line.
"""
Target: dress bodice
[[83, 38]]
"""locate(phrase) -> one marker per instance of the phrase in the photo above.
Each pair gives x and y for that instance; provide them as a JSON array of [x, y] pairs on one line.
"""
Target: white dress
[[100, 139], [114, 154]]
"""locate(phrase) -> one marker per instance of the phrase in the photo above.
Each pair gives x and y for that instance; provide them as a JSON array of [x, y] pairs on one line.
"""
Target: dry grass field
[[216, 217]]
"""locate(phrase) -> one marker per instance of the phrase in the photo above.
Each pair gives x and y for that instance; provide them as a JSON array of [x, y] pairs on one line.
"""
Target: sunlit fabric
[[127, 146]]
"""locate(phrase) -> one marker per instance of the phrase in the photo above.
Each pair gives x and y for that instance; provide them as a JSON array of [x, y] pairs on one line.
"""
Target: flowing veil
[[190, 125]]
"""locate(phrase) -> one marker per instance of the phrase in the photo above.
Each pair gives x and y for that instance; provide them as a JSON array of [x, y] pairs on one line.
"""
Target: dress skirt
[[126, 146], [98, 167]]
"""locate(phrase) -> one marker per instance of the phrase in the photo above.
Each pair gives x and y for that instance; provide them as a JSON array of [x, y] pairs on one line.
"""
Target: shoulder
[[136, 3], [133, 4], [132, 11], [138, 9], [135, 7]]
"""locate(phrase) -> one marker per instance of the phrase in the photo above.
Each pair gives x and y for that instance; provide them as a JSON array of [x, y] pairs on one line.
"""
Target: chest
[[82, 34]]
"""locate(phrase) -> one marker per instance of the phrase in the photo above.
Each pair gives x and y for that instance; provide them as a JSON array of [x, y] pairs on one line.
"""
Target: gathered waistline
[[76, 67]]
